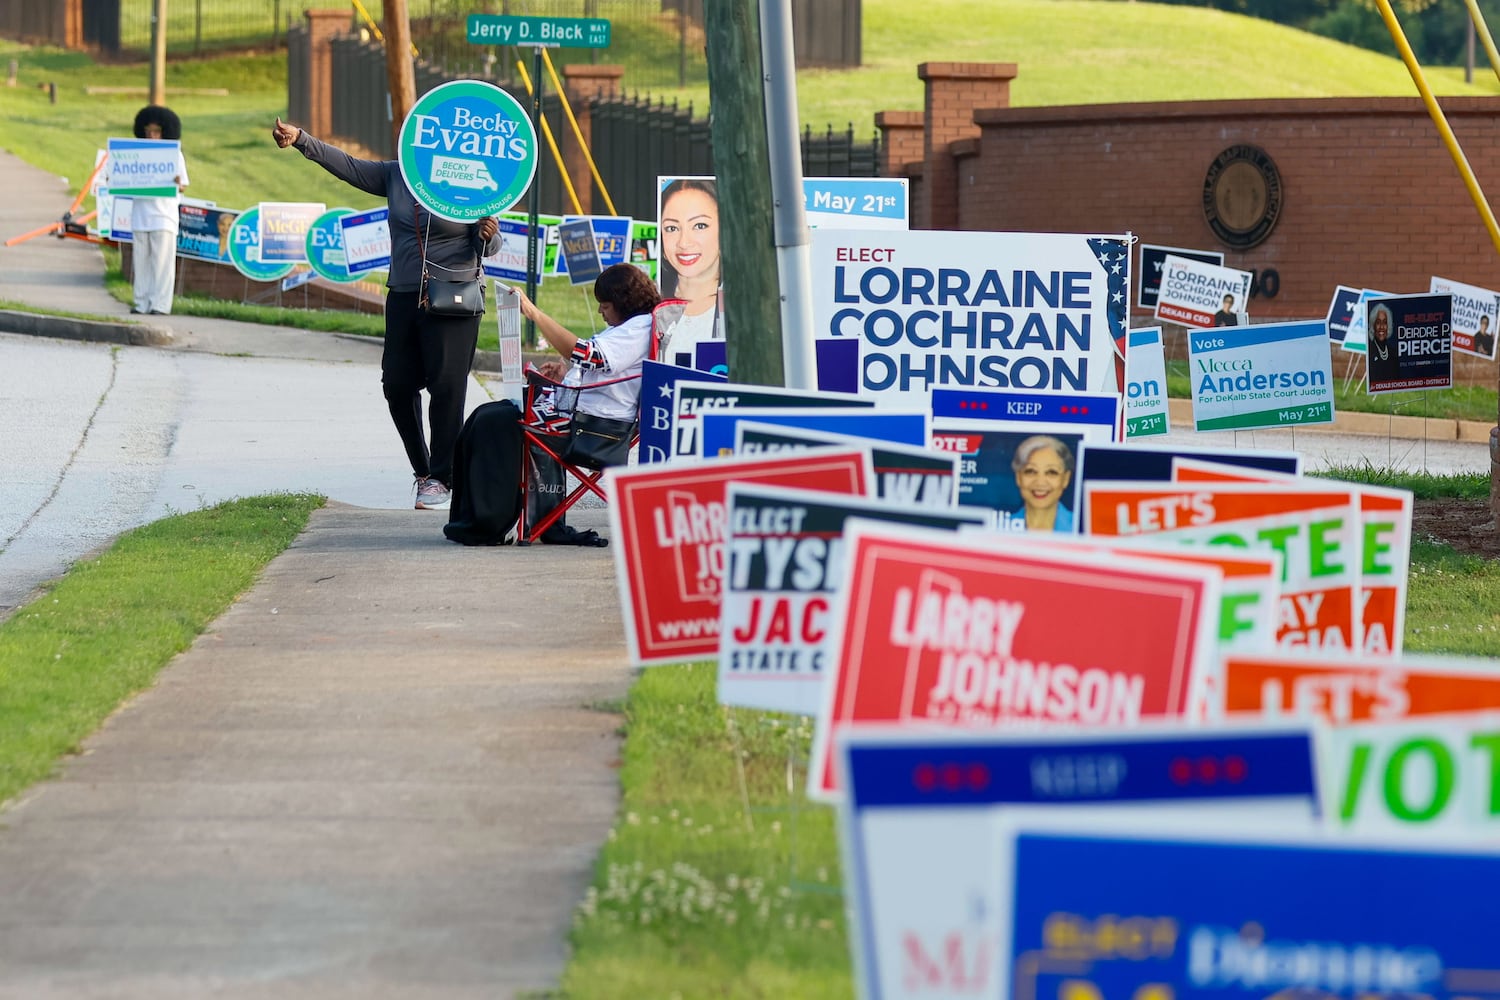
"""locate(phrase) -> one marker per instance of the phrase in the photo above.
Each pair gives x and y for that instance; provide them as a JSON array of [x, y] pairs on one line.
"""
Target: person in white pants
[[153, 223]]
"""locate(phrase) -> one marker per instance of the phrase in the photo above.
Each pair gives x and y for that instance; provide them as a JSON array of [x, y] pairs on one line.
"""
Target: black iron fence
[[635, 139]]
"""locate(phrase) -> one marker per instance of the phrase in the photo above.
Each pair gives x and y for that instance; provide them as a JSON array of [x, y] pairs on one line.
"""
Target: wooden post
[[400, 73], [747, 239], [158, 53]]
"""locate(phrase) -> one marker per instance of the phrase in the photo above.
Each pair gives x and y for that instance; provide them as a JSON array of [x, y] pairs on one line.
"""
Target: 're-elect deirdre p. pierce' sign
[[467, 151]]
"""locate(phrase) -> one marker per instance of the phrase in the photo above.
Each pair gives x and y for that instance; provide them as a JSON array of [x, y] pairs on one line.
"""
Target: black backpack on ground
[[486, 476]]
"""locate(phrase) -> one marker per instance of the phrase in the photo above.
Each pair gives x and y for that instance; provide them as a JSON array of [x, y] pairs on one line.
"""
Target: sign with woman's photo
[[1022, 472], [203, 231], [1410, 343], [1476, 315]]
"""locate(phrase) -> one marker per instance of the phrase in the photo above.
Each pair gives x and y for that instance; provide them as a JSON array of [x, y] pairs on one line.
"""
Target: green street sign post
[[539, 33], [549, 32]]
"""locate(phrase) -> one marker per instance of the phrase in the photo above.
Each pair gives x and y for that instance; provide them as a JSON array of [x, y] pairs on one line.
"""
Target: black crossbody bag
[[458, 298]]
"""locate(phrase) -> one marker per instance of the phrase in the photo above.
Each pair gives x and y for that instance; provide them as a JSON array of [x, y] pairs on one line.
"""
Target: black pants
[[433, 353]]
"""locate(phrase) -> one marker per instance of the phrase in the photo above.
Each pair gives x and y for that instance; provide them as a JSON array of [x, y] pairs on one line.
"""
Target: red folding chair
[[545, 430]]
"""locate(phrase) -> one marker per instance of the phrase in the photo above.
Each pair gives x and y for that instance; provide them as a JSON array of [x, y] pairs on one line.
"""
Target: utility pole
[[158, 53], [752, 295], [399, 72]]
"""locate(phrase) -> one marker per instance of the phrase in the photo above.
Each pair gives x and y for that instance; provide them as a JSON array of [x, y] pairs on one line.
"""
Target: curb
[[1371, 424], [68, 328]]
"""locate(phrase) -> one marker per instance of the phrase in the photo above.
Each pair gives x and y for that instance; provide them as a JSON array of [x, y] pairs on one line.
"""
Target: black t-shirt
[[1226, 318]]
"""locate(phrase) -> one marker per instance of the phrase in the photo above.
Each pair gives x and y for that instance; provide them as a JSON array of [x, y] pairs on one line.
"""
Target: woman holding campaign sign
[[153, 222], [423, 349], [690, 265]]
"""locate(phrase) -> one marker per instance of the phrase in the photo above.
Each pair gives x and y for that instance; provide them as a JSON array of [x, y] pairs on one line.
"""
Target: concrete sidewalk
[[383, 773]]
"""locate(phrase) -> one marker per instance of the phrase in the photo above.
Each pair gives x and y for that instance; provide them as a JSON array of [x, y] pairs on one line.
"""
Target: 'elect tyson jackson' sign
[[467, 151]]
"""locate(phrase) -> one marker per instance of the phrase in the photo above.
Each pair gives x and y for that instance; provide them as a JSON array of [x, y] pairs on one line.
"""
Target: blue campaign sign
[[717, 432], [918, 826], [467, 150], [611, 236], [578, 253], [856, 202], [837, 360], [1224, 919], [1099, 409], [658, 382], [1341, 312], [367, 240], [325, 246], [1153, 463]]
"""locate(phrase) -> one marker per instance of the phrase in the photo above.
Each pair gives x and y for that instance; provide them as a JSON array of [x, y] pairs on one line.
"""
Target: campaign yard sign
[[719, 429], [1439, 775], [786, 559], [916, 827], [509, 262], [1368, 688], [1315, 529], [855, 202], [1356, 337], [1146, 410], [1090, 409], [1225, 916], [1270, 375], [203, 232], [1341, 311], [283, 230], [367, 240], [1203, 295], [668, 527], [955, 310], [467, 150], [694, 398], [1476, 316], [658, 405], [1385, 520], [911, 476], [244, 249], [144, 168], [1410, 343], [578, 251], [325, 246], [1153, 263], [936, 629], [611, 241], [1153, 463]]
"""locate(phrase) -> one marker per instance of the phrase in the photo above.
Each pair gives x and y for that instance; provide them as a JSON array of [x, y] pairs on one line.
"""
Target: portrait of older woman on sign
[[1043, 465], [689, 265]]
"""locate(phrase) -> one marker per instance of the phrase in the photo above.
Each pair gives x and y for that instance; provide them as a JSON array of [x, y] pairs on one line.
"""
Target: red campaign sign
[[668, 527], [968, 631], [1341, 690]]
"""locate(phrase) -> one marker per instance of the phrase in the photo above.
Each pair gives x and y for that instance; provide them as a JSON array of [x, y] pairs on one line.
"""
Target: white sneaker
[[432, 495]]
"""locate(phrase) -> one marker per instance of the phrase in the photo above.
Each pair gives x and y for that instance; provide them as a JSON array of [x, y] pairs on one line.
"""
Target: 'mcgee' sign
[[952, 310], [467, 151]]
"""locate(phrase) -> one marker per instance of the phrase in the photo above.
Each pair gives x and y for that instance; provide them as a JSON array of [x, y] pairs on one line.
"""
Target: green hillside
[[1095, 51]]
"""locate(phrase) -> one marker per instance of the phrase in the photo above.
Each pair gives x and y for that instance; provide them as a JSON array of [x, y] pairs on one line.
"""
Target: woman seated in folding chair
[[605, 368]]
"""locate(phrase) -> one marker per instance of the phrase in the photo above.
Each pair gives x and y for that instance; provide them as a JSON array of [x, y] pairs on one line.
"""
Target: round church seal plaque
[[1242, 196]]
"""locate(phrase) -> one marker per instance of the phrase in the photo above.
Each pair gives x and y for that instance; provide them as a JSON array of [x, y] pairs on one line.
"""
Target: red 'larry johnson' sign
[[967, 630]]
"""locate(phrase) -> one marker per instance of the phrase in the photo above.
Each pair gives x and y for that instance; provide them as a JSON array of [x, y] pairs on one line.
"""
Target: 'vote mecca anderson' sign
[[467, 150], [973, 310]]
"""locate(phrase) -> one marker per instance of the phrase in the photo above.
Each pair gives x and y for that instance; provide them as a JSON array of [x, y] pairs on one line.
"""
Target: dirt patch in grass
[[1467, 525]]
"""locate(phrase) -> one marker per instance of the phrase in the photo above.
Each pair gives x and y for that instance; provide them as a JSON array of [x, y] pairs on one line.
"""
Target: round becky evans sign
[[467, 151]]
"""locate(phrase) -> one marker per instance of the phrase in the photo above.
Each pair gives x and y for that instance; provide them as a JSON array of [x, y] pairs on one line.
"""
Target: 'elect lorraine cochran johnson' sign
[[467, 151], [1036, 311]]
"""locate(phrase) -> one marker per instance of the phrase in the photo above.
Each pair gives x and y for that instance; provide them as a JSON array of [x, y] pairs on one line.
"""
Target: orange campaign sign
[[1375, 689], [669, 524], [972, 630], [1315, 528]]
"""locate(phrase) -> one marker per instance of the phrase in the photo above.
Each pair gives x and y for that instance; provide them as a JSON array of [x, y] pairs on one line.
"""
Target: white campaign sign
[[1269, 375], [1476, 314], [1146, 411], [964, 310], [1194, 293]]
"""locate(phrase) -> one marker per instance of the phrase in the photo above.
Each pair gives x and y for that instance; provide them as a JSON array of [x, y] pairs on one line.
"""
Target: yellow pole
[[1484, 36], [552, 143], [1441, 121], [375, 28], [587, 155]]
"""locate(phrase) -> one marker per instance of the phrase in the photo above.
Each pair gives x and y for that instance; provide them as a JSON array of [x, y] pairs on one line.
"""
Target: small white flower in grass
[[822, 874], [632, 819], [776, 826], [825, 925], [687, 821]]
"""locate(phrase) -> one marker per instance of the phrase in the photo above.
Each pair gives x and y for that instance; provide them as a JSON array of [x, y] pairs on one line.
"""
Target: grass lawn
[[71, 656]]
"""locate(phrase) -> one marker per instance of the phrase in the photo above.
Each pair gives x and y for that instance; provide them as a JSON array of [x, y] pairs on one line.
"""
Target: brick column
[[322, 26], [954, 92], [583, 82], [901, 140]]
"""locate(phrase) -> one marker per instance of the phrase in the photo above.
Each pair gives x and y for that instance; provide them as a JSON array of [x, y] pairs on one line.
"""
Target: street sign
[[551, 32]]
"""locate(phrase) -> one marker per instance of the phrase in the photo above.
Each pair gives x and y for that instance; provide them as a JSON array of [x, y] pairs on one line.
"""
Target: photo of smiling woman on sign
[[689, 265]]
